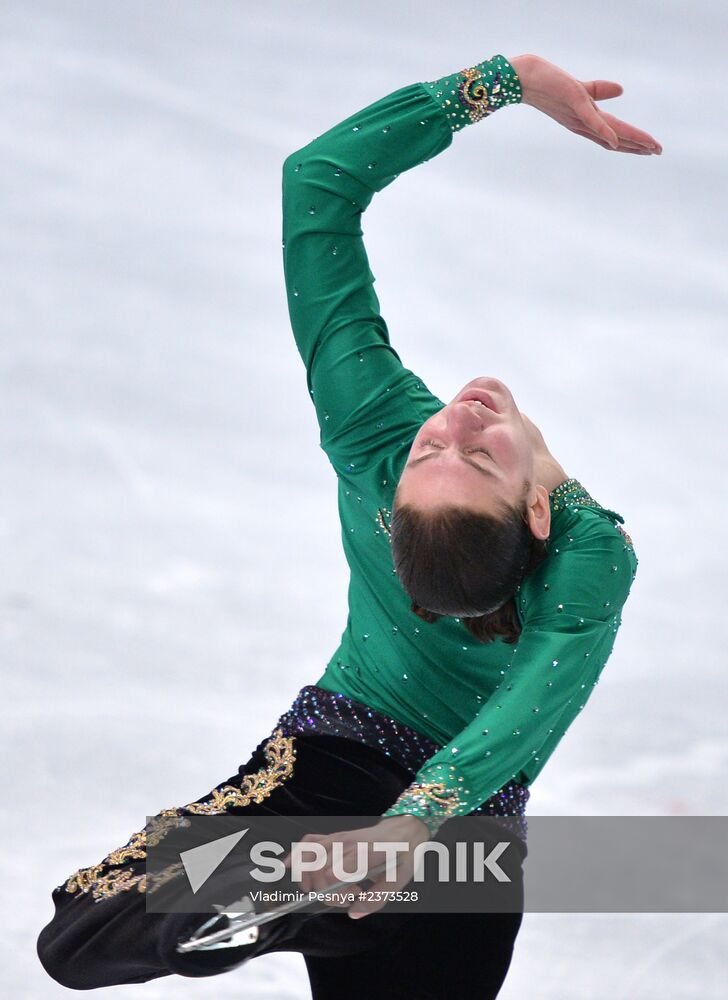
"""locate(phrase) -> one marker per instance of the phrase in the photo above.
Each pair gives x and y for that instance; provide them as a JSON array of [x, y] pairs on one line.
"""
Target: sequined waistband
[[318, 710]]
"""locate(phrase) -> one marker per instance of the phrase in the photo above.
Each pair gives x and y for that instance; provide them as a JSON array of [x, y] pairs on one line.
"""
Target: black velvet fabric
[[90, 944]]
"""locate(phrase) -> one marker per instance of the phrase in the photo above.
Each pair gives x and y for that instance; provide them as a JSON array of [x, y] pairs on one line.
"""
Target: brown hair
[[458, 562]]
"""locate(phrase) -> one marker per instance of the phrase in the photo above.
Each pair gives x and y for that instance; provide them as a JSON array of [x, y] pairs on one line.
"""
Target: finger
[[626, 131], [625, 145], [381, 885], [593, 137], [602, 90], [359, 910], [338, 898], [592, 120], [621, 148], [324, 878], [305, 881]]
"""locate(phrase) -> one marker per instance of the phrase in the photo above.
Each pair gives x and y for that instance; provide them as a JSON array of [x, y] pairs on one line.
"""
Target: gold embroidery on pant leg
[[155, 831], [158, 879], [84, 879], [149, 883], [134, 850], [280, 753], [116, 881], [159, 825]]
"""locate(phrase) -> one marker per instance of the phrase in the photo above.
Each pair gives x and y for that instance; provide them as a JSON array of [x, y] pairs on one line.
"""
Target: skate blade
[[214, 940], [246, 919]]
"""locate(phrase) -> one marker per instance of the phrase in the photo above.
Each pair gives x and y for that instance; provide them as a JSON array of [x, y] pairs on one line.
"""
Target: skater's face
[[475, 452]]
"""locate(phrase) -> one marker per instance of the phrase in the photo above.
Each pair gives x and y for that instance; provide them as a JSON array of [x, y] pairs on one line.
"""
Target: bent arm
[[571, 608], [327, 185]]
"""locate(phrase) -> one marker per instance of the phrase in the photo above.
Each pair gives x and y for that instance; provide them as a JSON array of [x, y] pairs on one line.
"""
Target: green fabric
[[498, 710]]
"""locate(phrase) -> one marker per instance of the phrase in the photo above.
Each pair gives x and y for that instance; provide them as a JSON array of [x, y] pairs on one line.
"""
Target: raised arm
[[327, 185], [354, 374]]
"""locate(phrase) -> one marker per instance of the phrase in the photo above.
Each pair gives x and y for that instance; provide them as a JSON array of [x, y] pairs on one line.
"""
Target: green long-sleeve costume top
[[497, 710]]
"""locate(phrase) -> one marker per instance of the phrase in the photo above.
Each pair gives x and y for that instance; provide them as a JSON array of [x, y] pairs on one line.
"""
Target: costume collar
[[570, 493]]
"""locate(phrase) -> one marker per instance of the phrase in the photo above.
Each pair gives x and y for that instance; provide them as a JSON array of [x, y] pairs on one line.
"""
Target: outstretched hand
[[572, 103]]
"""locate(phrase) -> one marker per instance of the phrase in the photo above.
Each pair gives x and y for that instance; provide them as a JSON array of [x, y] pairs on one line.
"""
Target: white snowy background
[[171, 569]]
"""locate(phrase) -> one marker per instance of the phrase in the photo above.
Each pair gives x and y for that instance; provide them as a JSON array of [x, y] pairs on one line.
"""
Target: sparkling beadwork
[[624, 534], [375, 614], [383, 515], [107, 879], [479, 91], [318, 710], [570, 493]]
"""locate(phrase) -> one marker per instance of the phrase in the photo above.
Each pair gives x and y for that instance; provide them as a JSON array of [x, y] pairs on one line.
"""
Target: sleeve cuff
[[477, 92], [432, 802]]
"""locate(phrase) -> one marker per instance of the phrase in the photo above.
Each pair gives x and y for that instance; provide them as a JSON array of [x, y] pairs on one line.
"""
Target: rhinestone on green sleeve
[[474, 93]]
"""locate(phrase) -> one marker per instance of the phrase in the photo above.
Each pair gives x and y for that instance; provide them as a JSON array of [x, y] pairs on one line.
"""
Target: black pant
[[111, 939]]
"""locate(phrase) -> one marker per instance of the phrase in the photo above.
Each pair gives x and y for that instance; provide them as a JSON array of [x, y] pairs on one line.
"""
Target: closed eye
[[467, 451], [481, 469]]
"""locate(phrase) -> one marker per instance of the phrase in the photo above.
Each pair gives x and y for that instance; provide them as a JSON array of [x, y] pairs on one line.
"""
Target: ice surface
[[171, 564]]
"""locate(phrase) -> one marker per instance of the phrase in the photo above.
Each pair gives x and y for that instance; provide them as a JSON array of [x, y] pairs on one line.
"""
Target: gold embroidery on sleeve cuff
[[432, 802]]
